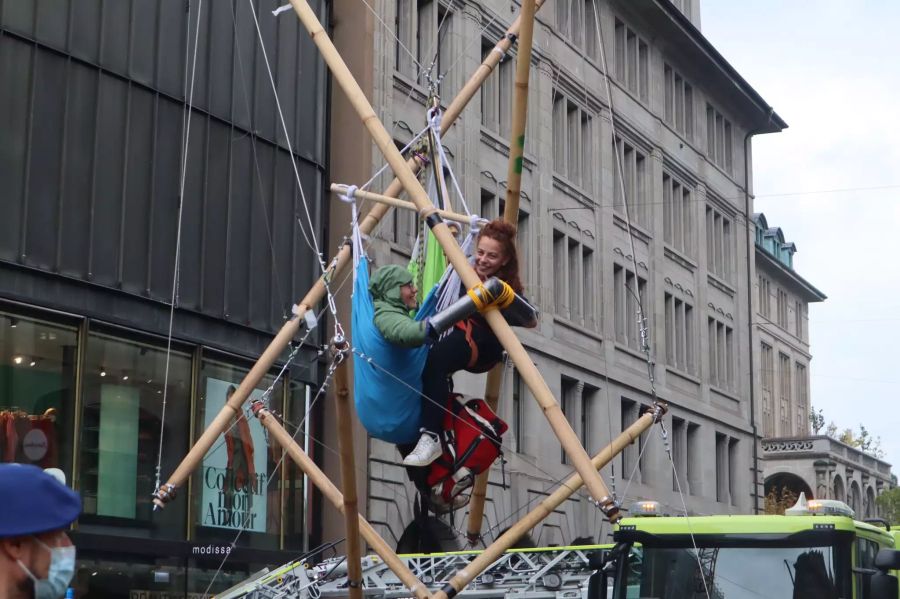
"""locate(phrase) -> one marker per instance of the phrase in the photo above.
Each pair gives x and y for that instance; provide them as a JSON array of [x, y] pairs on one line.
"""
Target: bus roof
[[738, 529]]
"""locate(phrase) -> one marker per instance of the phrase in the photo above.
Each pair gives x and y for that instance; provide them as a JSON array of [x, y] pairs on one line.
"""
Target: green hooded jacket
[[391, 315]]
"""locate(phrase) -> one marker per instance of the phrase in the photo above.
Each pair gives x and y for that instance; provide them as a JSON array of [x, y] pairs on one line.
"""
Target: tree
[[816, 420], [863, 440], [889, 504]]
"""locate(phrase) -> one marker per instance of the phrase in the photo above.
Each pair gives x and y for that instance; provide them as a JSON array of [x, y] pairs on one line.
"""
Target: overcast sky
[[831, 69]]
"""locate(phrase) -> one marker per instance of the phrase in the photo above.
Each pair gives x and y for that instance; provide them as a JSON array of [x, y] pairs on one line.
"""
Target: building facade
[[97, 376], [793, 460], [674, 137]]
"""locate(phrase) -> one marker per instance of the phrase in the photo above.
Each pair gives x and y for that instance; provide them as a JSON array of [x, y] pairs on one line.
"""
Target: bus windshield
[[735, 573]]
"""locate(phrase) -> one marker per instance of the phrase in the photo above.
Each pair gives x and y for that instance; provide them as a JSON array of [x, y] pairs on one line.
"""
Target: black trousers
[[449, 355]]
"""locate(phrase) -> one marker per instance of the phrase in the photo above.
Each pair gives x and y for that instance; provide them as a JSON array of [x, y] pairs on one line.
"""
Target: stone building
[[680, 127], [792, 459]]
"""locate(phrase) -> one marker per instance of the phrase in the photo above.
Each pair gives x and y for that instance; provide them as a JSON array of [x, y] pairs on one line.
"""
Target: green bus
[[816, 551]]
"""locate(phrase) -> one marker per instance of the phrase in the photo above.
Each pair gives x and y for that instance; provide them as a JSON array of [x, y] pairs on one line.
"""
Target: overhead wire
[[186, 124], [253, 138], [310, 238]]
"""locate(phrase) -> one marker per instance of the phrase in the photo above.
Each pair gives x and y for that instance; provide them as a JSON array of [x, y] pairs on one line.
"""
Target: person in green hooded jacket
[[394, 297]]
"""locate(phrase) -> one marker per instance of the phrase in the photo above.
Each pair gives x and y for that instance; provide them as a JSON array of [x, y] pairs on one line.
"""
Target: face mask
[[62, 568]]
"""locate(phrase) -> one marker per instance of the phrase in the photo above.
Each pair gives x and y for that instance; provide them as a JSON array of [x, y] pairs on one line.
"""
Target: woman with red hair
[[471, 345]]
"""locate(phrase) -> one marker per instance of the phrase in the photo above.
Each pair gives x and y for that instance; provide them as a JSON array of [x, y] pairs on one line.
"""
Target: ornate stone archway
[[782, 490]]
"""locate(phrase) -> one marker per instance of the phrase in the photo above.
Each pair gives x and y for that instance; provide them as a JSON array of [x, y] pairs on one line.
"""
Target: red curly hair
[[505, 234]]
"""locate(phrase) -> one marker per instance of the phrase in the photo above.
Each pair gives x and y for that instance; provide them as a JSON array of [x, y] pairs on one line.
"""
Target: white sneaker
[[427, 450]]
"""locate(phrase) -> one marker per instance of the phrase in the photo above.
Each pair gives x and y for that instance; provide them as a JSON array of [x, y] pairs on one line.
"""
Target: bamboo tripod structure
[[587, 468], [510, 215], [315, 295]]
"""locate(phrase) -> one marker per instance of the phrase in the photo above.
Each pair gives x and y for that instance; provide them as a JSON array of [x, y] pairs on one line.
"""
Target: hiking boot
[[427, 450]]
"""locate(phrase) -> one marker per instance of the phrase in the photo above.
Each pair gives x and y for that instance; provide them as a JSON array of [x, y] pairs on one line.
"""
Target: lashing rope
[[484, 300]]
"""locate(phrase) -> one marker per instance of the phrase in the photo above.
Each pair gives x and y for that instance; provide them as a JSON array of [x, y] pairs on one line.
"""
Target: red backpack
[[471, 443]]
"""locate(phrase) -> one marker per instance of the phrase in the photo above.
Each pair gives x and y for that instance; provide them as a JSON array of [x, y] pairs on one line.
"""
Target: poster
[[234, 474]]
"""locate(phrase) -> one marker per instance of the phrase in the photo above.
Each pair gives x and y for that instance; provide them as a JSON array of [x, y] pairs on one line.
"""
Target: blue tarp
[[388, 408]]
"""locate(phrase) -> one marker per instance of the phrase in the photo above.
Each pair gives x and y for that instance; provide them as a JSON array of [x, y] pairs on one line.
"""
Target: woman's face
[[489, 258]]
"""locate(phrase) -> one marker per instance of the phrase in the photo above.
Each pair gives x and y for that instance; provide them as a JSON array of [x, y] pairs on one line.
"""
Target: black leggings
[[449, 355]]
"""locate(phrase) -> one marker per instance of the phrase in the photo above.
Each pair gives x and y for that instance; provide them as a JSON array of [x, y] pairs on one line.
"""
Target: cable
[[176, 270], [314, 245]]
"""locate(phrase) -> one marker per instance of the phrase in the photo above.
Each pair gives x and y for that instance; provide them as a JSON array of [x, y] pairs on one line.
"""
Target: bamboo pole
[[510, 215], [546, 507], [331, 492], [519, 115], [340, 261], [341, 349], [501, 329], [402, 204], [479, 490]]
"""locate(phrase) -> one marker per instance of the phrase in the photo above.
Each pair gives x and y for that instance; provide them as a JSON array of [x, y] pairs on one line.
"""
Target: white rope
[[314, 245], [177, 268]]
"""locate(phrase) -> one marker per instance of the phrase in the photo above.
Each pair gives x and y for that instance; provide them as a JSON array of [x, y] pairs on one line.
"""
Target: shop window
[[37, 392], [237, 486], [125, 382], [297, 499]]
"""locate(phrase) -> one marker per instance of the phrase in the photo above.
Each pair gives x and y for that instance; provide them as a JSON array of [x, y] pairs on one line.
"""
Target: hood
[[385, 284]]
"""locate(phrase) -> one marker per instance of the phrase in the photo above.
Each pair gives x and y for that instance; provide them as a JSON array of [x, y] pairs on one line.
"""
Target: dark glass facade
[[95, 129]]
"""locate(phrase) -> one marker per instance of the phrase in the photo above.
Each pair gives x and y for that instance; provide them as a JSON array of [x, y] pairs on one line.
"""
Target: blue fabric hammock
[[389, 409]]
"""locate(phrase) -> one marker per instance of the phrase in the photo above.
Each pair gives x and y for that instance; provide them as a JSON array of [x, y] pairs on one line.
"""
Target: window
[[631, 453], [632, 181], [767, 384], [632, 59], [232, 489], [784, 396], [723, 482], [422, 28], [782, 306], [721, 355], [123, 389], [37, 391], [590, 399], [404, 224], [719, 244], [799, 317], [572, 141], [496, 95], [679, 109], [719, 143], [693, 449], [577, 21], [573, 278], [732, 470], [764, 299], [570, 398], [627, 289], [866, 551], [679, 454], [802, 421], [518, 408], [678, 213], [679, 334]]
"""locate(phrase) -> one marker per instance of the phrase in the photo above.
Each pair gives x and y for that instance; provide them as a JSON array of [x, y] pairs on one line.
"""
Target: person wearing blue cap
[[37, 559]]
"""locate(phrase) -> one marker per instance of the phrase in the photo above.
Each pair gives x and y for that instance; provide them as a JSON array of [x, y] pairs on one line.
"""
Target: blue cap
[[34, 502]]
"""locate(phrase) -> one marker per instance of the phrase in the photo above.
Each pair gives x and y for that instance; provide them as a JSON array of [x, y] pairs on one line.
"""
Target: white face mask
[[59, 575]]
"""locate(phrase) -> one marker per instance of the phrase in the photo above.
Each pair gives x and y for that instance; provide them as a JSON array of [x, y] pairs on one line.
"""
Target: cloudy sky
[[831, 69]]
